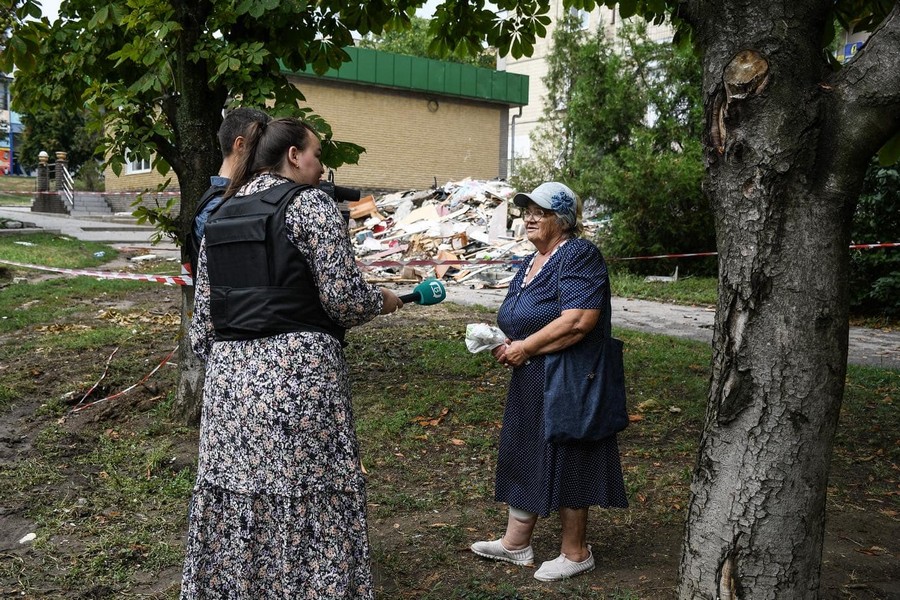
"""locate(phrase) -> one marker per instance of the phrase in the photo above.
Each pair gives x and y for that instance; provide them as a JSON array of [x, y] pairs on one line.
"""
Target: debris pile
[[466, 231]]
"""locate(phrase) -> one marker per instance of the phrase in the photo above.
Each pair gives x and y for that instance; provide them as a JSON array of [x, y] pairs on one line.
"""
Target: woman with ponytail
[[279, 505]]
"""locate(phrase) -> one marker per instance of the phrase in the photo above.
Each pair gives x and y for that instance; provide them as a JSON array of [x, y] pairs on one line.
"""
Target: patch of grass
[[623, 595], [54, 300], [687, 290], [865, 442], [124, 516], [7, 396], [53, 250], [476, 590], [15, 191], [29, 476]]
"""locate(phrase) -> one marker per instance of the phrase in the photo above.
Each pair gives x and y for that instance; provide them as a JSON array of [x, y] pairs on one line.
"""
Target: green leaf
[[162, 166], [627, 8]]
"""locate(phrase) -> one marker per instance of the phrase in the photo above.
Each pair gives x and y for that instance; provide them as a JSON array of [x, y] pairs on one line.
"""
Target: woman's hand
[[516, 354], [499, 352], [391, 303]]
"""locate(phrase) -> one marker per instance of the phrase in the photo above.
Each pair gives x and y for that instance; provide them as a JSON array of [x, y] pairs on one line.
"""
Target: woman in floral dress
[[279, 505]]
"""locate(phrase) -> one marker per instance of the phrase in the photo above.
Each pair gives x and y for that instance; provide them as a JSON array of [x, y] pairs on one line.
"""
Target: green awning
[[402, 72]]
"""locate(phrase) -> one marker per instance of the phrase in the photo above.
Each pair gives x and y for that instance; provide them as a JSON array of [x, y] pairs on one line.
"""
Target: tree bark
[[783, 173], [198, 113]]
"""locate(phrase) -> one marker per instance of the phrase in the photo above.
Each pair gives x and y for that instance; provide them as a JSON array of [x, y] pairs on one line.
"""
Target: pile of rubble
[[466, 231]]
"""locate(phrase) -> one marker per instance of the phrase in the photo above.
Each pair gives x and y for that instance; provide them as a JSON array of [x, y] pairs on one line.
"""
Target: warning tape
[[695, 254], [80, 193], [876, 245], [79, 407], [188, 280], [166, 279], [689, 255], [435, 262]]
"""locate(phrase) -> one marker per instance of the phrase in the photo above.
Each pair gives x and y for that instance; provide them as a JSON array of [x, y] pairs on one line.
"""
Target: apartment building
[[524, 121]]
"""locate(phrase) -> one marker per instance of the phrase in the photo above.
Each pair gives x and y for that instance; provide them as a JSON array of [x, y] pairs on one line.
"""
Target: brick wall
[[410, 138]]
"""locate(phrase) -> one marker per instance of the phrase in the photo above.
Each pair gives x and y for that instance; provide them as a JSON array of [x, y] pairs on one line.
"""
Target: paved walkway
[[119, 232], [867, 346]]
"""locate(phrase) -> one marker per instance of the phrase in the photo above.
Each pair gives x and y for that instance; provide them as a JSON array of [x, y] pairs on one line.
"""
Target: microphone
[[430, 291]]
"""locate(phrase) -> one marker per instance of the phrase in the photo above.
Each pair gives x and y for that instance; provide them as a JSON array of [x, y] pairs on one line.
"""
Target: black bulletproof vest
[[260, 283]]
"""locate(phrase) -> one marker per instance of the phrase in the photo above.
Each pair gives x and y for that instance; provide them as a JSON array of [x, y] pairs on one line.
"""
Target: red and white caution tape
[[187, 280], [696, 254], [57, 192], [81, 407], [876, 245], [166, 279], [689, 255], [435, 262]]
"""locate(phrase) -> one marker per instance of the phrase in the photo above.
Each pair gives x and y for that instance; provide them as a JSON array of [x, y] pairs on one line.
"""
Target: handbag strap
[[607, 300]]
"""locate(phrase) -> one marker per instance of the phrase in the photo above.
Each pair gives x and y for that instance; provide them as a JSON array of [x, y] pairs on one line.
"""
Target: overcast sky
[[51, 8]]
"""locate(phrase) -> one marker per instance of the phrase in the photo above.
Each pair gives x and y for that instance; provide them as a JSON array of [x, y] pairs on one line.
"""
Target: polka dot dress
[[532, 474]]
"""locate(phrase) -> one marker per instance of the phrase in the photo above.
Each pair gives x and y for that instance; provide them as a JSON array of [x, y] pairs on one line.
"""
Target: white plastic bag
[[481, 336]]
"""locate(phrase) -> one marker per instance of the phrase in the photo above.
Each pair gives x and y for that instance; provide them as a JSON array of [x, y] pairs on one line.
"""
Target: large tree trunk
[[783, 189], [197, 112]]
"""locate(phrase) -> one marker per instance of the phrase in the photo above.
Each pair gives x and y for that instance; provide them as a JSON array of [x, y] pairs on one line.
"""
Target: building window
[[583, 16], [138, 165]]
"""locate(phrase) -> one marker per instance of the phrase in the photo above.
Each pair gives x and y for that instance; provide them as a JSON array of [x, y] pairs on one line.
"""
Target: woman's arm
[[315, 226], [567, 329], [201, 332]]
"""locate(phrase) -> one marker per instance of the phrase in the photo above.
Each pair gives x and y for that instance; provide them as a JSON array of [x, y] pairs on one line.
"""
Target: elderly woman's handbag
[[584, 389], [584, 393]]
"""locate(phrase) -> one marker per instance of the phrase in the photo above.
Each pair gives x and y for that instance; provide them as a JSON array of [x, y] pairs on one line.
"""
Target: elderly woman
[[554, 301]]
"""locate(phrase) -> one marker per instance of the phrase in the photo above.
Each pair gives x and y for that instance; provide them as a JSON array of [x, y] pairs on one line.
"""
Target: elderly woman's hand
[[516, 355]]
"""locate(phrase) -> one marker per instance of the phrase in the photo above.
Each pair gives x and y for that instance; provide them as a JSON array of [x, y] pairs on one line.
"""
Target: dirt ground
[[636, 549]]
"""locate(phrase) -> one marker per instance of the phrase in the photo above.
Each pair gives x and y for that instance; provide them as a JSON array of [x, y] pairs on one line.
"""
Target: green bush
[[657, 207]]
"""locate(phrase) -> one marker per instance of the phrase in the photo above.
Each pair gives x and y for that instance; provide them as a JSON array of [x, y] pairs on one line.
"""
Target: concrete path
[[867, 346], [116, 231]]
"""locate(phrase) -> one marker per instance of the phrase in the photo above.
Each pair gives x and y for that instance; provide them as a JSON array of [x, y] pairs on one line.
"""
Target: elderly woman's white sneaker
[[495, 550], [563, 568]]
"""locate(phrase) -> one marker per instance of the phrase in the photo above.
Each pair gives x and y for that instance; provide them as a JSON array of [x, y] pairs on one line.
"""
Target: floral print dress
[[279, 505]]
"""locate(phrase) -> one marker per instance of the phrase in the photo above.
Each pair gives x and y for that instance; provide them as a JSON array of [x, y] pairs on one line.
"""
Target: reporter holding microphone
[[279, 504]]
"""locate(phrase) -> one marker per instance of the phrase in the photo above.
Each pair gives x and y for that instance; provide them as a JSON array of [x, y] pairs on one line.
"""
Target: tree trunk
[[197, 112], [191, 370], [783, 194]]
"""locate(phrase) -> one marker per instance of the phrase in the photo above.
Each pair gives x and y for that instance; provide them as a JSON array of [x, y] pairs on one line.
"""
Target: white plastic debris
[[30, 537], [481, 336]]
